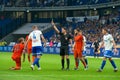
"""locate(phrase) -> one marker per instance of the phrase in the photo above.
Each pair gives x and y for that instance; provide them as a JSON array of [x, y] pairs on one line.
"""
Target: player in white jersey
[[84, 51], [36, 36], [108, 43]]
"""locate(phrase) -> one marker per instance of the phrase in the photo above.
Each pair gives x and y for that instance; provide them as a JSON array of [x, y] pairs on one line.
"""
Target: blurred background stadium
[[17, 17]]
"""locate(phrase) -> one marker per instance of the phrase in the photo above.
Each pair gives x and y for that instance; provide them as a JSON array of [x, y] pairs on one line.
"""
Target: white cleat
[[32, 67], [39, 68], [115, 70], [86, 68]]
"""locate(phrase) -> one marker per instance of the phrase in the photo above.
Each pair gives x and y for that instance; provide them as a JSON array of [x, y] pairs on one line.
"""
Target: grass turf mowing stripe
[[105, 76]]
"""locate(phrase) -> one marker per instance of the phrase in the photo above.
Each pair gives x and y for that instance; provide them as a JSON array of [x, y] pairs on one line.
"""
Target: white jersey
[[84, 42], [107, 39], [36, 38]]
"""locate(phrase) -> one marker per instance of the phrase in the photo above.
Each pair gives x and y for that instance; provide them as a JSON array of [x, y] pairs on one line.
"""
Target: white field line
[[96, 76], [100, 57]]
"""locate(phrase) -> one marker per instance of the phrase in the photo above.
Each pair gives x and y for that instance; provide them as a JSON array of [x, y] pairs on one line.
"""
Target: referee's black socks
[[62, 62], [68, 63]]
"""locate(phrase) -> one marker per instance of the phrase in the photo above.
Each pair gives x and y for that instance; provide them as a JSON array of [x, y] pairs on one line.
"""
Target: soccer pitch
[[51, 69]]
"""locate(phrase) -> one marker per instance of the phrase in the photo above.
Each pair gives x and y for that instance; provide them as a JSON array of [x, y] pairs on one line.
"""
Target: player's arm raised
[[54, 26]]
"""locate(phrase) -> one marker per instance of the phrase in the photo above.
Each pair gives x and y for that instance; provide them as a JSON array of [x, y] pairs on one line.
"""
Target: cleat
[[62, 68], [115, 70], [76, 69], [67, 69], [99, 70], [32, 67], [86, 69], [86, 66], [13, 68], [39, 68]]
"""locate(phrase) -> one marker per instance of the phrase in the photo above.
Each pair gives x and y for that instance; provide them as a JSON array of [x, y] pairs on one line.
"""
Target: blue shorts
[[84, 53], [37, 50], [108, 53]]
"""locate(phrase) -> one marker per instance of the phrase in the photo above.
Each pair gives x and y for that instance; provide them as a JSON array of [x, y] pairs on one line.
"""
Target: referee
[[96, 46], [65, 38]]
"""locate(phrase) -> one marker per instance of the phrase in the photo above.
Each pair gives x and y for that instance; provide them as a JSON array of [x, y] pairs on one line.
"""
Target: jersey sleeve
[[111, 38], [30, 36], [70, 37], [40, 32], [84, 38]]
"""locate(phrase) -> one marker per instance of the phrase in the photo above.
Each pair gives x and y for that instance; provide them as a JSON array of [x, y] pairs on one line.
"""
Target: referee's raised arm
[[54, 26]]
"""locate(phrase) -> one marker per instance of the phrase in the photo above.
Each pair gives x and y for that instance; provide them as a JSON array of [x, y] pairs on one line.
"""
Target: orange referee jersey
[[78, 45]]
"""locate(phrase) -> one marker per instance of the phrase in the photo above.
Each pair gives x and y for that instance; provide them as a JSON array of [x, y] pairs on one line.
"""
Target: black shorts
[[64, 50], [96, 49]]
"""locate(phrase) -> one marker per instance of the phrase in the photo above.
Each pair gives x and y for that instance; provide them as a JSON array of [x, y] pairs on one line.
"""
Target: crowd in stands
[[50, 3], [92, 28], [3, 43]]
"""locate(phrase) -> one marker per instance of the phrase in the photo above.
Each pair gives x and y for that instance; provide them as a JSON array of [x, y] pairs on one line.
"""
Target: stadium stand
[[27, 28], [90, 27], [17, 17], [46, 28], [8, 25], [51, 3]]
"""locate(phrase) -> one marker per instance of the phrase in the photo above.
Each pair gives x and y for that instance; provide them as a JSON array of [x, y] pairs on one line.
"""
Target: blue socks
[[103, 64], [113, 63], [36, 62]]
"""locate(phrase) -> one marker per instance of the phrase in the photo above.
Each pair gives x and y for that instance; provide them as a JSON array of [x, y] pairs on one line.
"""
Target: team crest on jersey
[[106, 39]]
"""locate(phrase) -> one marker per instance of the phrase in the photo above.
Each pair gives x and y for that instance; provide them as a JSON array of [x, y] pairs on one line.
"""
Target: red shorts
[[77, 54]]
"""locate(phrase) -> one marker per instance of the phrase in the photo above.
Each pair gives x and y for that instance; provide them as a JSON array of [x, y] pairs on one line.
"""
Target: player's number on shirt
[[34, 36]]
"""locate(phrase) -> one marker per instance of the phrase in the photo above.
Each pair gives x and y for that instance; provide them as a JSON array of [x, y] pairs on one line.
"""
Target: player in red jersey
[[17, 53], [78, 47]]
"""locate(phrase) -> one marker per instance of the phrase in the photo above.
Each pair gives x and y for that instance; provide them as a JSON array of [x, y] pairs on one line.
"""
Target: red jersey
[[17, 50], [29, 45], [78, 43]]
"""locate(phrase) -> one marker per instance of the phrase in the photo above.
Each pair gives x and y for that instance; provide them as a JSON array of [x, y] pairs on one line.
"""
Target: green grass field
[[51, 69]]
